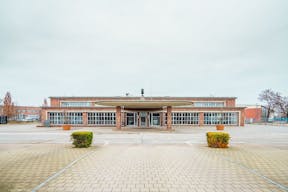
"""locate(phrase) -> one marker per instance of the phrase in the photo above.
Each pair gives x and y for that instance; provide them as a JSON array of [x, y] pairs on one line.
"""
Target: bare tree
[[274, 102], [1, 107], [282, 105], [8, 107], [268, 96]]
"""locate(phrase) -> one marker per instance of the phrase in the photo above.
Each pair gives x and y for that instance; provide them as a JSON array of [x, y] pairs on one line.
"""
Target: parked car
[[31, 118]]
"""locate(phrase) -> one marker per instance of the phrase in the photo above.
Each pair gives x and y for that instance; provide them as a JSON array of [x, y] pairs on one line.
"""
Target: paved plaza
[[43, 159]]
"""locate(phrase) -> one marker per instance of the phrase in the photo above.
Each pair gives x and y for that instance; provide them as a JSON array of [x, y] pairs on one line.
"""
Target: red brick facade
[[253, 114], [201, 111]]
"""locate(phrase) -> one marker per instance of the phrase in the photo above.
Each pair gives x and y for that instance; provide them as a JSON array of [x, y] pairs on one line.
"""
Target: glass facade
[[226, 118], [185, 118], [75, 118], [102, 118], [56, 118], [146, 119]]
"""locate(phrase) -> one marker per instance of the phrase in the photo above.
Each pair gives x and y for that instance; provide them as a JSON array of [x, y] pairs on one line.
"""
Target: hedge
[[218, 139], [82, 139]]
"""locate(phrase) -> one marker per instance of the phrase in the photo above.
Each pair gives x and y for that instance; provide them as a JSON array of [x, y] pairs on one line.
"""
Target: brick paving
[[260, 163], [268, 161], [175, 168], [22, 167]]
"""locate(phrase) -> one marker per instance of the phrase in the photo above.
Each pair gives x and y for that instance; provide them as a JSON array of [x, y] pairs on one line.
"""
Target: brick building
[[22, 113], [145, 112], [256, 114], [29, 113]]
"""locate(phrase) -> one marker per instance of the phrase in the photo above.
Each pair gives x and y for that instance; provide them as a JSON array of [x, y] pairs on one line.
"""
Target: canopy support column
[[169, 117], [118, 118]]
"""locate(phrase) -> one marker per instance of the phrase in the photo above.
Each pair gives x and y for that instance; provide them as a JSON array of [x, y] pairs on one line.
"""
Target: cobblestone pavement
[[135, 167]]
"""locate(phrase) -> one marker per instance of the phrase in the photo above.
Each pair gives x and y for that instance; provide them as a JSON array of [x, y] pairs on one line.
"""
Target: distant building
[[25, 113], [143, 112], [255, 114]]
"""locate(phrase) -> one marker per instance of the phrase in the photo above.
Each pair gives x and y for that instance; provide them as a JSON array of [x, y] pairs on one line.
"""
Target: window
[[185, 118], [56, 118], [208, 104], [102, 118], [155, 119], [227, 118], [75, 118], [20, 116], [131, 119], [181, 118], [75, 104]]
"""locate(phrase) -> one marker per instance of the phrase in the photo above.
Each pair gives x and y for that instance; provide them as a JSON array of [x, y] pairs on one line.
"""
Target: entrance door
[[143, 119]]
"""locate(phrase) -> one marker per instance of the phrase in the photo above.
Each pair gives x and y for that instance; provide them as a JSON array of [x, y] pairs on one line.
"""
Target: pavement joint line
[[61, 171], [255, 172], [188, 143], [50, 140], [141, 138], [106, 142], [193, 142]]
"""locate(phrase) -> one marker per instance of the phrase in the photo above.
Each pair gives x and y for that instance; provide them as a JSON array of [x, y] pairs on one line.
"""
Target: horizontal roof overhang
[[144, 103]]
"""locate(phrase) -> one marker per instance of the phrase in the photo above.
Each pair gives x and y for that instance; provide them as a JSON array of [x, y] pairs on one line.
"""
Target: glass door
[[143, 119]]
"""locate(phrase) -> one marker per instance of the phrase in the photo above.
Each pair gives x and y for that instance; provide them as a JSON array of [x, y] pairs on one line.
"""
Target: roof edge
[[147, 97]]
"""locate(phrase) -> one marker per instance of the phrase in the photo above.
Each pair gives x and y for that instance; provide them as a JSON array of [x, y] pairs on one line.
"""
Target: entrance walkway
[[143, 168], [43, 159], [176, 168]]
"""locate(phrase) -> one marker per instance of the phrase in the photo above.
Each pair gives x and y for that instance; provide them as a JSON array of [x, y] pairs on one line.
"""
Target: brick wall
[[253, 113]]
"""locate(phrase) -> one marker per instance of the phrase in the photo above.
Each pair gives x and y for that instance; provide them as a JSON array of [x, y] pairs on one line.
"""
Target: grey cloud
[[181, 48]]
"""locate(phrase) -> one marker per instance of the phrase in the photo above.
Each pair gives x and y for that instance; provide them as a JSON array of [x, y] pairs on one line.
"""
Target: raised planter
[[220, 127], [66, 127]]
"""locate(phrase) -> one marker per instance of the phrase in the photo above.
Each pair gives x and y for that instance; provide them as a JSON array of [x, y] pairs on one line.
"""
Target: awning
[[144, 103]]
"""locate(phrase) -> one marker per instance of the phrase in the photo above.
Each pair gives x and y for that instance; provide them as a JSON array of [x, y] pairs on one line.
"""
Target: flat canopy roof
[[144, 103]]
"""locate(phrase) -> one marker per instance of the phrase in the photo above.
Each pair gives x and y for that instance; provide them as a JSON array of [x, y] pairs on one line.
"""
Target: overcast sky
[[169, 48]]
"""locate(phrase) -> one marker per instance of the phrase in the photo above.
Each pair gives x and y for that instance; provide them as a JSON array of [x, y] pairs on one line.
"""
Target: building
[[24, 113], [253, 113], [27, 113], [143, 112], [256, 114]]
